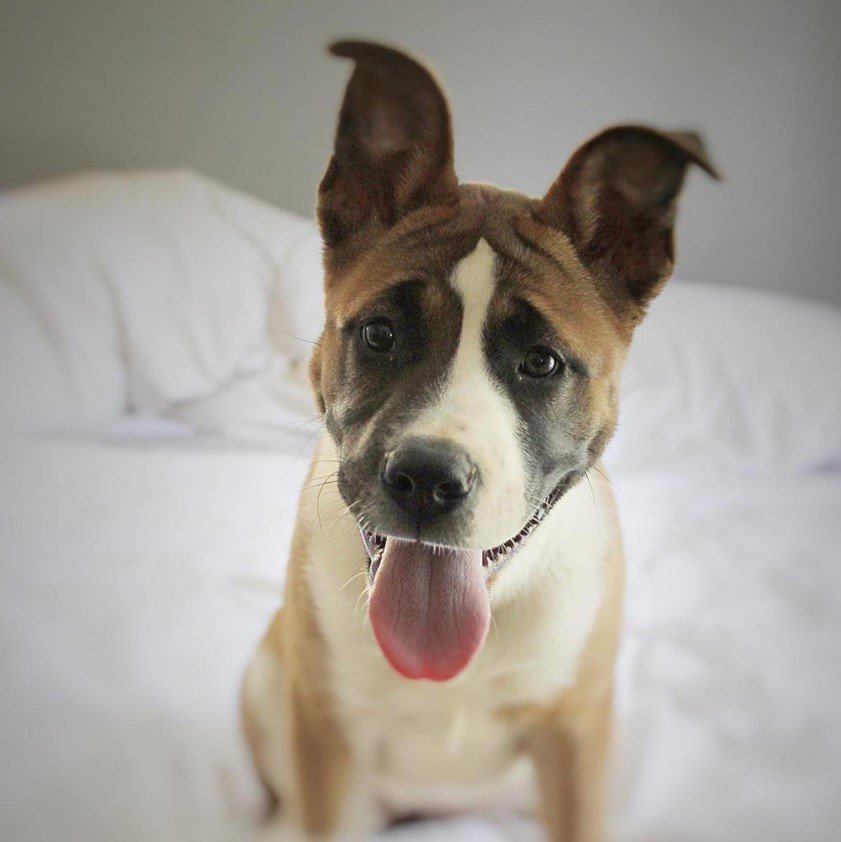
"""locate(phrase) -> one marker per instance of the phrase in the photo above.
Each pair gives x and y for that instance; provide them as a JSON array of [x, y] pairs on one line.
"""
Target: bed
[[156, 430]]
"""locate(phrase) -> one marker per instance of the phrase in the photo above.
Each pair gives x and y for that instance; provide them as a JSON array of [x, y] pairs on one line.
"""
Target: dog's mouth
[[429, 605], [493, 559]]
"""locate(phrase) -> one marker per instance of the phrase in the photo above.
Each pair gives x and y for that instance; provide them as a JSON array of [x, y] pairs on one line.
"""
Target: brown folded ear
[[393, 150], [616, 201]]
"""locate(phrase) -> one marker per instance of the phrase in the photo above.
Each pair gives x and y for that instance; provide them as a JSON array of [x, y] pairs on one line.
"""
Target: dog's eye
[[540, 362], [378, 334]]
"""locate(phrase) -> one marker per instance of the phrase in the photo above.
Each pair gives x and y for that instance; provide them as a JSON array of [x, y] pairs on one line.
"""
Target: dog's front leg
[[569, 747], [321, 781], [318, 781]]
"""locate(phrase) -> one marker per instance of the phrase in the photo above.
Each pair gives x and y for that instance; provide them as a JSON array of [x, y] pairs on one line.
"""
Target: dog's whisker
[[318, 502], [311, 420], [330, 475], [612, 484], [364, 595], [320, 482], [309, 438], [337, 519], [494, 629], [281, 332], [353, 579], [315, 481], [592, 494]]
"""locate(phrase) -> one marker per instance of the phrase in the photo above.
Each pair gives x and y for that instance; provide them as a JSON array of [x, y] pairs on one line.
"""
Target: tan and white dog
[[454, 592]]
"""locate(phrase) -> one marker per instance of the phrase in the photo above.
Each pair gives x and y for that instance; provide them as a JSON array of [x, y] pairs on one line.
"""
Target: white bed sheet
[[139, 573], [139, 568]]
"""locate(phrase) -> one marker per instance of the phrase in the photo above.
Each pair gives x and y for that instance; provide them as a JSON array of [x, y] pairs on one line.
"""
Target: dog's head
[[468, 369]]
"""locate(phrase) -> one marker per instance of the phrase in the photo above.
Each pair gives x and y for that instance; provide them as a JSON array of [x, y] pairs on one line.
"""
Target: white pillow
[[270, 396], [731, 379], [132, 292]]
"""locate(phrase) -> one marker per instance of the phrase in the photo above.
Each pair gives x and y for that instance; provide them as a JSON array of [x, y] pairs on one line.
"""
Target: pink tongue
[[429, 609]]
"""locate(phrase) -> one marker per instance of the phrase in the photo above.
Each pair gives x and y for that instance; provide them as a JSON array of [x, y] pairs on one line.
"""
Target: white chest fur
[[431, 743]]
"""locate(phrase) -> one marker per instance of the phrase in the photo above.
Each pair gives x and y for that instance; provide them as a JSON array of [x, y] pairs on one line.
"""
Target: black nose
[[428, 477]]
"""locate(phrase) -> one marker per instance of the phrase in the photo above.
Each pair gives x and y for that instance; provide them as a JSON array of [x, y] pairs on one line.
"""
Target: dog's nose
[[428, 477]]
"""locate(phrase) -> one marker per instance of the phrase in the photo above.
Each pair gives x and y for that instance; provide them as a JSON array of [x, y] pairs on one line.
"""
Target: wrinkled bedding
[[139, 572], [154, 331]]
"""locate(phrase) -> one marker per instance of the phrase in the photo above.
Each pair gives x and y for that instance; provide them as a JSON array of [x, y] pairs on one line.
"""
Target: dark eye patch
[[401, 308], [549, 408], [512, 335], [391, 381]]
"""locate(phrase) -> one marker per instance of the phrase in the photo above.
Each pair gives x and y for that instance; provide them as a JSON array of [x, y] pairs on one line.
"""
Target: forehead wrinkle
[[372, 278], [507, 258], [572, 311], [423, 255], [359, 291], [577, 327], [568, 340], [553, 247], [421, 222]]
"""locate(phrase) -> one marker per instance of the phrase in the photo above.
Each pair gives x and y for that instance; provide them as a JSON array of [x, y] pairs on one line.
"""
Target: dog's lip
[[498, 555], [493, 558]]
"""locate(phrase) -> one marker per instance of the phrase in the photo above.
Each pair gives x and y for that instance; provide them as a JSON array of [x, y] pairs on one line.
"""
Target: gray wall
[[242, 90]]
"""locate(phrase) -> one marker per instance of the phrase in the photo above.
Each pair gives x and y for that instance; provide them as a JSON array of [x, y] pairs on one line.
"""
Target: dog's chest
[[449, 760]]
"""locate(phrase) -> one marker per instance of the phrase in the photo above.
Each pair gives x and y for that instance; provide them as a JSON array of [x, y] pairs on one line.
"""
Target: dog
[[454, 593]]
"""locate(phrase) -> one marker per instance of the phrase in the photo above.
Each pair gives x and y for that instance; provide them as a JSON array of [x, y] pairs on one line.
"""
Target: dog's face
[[469, 364], [472, 380]]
